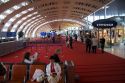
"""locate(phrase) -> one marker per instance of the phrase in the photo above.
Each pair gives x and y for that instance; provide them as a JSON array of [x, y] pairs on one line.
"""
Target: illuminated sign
[[104, 23]]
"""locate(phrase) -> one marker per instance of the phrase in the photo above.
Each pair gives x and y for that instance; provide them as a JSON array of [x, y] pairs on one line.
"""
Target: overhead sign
[[43, 33], [11, 34], [104, 23]]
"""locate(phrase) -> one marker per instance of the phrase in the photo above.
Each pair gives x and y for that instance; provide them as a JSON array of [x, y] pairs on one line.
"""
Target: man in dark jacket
[[88, 44], [70, 41], [102, 43]]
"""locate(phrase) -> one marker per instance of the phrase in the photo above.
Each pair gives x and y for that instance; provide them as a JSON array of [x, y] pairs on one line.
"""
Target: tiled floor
[[118, 50]]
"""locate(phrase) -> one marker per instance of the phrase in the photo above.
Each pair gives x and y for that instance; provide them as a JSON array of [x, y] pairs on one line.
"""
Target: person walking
[[88, 44], [70, 41], [94, 44], [102, 43], [67, 41]]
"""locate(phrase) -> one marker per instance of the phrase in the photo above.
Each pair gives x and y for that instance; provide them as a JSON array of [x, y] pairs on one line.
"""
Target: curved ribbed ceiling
[[49, 10]]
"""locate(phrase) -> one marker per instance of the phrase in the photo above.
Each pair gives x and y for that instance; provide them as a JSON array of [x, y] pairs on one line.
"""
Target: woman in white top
[[53, 71], [94, 44]]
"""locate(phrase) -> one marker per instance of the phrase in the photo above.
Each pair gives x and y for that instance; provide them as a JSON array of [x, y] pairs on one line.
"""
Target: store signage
[[104, 23]]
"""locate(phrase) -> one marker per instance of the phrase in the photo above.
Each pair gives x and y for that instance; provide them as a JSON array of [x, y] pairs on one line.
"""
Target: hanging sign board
[[104, 23]]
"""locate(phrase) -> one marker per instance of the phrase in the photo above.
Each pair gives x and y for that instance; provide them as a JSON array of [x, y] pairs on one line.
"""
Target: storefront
[[117, 35], [108, 29]]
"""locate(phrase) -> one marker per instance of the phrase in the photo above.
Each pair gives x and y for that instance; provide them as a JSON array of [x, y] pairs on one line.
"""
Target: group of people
[[92, 43], [53, 69]]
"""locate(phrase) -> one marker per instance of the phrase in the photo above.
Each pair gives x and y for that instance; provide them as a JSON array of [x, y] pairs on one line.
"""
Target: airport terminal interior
[[88, 36]]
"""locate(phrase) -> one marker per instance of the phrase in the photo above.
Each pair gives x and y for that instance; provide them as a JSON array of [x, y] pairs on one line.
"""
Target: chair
[[63, 74], [6, 76], [32, 69], [18, 74]]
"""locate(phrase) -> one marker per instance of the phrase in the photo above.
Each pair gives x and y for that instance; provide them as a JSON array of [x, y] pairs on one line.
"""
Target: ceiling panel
[[59, 9], [73, 9]]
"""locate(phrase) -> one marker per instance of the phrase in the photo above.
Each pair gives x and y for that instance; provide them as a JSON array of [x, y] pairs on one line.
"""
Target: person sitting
[[53, 71], [38, 76], [30, 59], [56, 56]]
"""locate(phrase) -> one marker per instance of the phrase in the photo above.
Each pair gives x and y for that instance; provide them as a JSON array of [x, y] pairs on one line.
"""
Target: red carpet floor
[[91, 68]]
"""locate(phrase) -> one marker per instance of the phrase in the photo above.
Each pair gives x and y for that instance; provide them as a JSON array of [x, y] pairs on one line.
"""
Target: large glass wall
[[115, 12]]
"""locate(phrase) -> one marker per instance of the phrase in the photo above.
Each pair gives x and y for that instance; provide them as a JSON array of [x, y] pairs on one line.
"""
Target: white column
[[87, 23], [105, 9], [93, 16]]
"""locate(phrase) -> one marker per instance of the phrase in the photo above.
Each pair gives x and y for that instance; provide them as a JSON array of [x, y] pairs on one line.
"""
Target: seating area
[[22, 73]]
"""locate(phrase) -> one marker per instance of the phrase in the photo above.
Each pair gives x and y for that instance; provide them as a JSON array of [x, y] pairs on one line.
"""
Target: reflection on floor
[[118, 50]]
